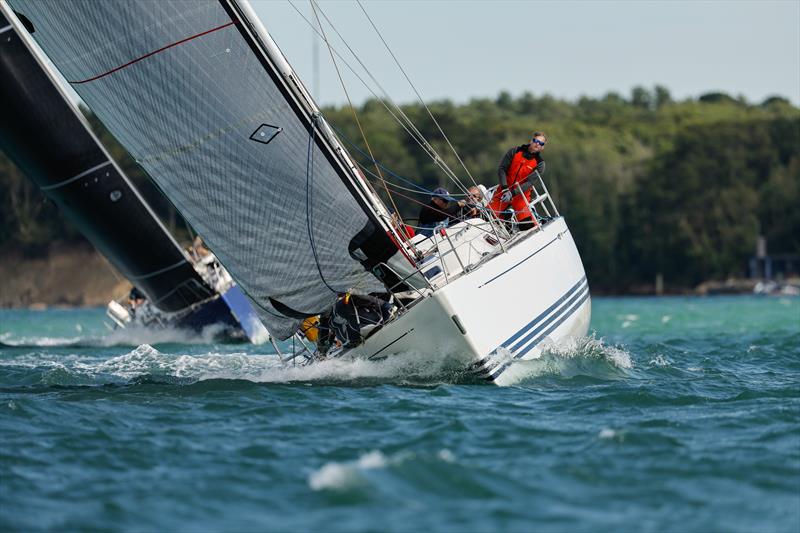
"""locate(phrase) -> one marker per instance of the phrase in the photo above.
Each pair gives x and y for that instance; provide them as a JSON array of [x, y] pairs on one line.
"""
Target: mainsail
[[188, 88], [48, 139]]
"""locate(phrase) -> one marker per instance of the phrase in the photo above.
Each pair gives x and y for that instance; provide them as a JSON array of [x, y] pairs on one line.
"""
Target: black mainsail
[[47, 137], [201, 97]]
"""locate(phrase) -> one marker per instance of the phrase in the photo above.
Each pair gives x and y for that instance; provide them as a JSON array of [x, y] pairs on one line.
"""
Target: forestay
[[181, 87]]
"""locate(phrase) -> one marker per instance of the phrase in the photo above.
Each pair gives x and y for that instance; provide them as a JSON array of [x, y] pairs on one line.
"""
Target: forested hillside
[[648, 185]]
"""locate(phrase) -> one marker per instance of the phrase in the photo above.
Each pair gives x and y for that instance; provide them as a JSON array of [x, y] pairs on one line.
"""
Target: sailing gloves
[[506, 197]]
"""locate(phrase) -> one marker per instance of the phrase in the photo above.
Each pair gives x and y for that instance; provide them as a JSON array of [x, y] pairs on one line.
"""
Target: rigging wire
[[414, 200], [415, 91], [314, 7], [415, 133], [437, 160], [406, 124], [417, 188], [386, 169]]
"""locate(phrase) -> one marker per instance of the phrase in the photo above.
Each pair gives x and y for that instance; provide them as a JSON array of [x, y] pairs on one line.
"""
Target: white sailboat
[[203, 99]]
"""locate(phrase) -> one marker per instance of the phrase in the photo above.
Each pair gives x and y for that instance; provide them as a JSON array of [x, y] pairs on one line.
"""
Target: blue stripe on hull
[[532, 324], [532, 334], [546, 312], [553, 325]]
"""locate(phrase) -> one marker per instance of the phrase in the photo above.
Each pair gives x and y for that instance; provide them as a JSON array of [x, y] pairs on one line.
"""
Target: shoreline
[[69, 277], [62, 277]]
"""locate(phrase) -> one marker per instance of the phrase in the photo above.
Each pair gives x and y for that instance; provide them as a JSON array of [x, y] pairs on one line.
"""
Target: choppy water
[[676, 415]]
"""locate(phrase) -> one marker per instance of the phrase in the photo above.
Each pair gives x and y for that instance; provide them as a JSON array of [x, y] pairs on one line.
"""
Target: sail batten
[[180, 85]]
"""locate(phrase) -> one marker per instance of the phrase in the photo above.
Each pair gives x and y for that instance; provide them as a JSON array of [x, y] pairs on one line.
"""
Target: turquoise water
[[677, 414]]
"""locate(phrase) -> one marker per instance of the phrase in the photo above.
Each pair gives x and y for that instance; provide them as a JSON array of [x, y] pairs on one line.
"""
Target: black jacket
[[431, 214], [506, 162]]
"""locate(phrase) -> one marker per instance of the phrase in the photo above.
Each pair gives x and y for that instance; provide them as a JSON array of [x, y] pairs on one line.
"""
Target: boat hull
[[501, 313]]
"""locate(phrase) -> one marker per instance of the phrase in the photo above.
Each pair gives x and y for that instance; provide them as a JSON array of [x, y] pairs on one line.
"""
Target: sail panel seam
[[154, 52]]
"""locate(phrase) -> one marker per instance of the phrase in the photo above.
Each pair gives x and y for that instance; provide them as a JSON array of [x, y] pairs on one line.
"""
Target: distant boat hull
[[502, 313], [228, 316]]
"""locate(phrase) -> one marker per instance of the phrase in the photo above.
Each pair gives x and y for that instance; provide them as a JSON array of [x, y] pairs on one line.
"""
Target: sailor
[[440, 209], [472, 206], [136, 299], [199, 248], [515, 178], [352, 313]]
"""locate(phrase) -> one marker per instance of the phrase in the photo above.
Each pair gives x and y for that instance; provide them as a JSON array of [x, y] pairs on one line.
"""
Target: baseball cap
[[441, 192]]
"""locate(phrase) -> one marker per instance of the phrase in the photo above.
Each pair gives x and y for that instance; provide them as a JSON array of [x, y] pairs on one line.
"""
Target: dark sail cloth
[[348, 316]]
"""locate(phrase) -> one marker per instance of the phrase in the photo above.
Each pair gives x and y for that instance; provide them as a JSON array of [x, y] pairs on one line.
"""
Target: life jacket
[[310, 328], [520, 168]]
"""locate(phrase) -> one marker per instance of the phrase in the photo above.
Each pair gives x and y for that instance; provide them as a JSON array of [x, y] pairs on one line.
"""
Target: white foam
[[338, 476], [446, 456], [591, 347], [263, 368], [611, 434], [132, 336], [661, 360], [44, 342], [332, 476]]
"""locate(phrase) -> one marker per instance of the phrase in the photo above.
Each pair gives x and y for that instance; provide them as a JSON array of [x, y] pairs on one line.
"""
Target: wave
[[585, 356], [132, 336], [361, 474], [148, 363]]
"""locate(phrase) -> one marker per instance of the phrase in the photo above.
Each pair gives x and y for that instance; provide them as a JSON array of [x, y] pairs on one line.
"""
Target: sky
[[459, 49]]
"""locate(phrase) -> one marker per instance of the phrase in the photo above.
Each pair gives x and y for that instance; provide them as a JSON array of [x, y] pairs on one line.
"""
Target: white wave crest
[[588, 347], [611, 434], [338, 476], [569, 357], [146, 360]]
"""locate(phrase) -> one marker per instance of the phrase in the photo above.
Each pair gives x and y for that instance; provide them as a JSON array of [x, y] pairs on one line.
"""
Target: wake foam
[[145, 361], [577, 356], [587, 356]]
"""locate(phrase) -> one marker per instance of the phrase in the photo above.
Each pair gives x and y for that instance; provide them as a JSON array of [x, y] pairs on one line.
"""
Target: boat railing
[[403, 282], [435, 263], [540, 199], [446, 255]]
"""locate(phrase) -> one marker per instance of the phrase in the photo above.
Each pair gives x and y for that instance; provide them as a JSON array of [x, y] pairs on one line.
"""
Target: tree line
[[648, 185]]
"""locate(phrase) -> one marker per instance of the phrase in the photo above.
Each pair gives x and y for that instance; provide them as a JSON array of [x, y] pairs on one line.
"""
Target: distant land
[[69, 276], [651, 187]]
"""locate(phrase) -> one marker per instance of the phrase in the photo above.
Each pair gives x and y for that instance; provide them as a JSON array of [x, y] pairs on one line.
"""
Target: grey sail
[[182, 86]]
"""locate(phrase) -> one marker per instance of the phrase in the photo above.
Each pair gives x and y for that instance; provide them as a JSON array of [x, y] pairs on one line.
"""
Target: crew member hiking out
[[515, 172]]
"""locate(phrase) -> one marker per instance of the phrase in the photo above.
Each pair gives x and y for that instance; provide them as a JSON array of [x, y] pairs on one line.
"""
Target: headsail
[[184, 86]]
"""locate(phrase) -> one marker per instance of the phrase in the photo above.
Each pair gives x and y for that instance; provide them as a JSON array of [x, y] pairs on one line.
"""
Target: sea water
[[675, 414]]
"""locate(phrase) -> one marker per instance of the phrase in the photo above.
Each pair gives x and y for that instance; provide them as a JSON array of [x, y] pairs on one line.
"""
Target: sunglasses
[[537, 141]]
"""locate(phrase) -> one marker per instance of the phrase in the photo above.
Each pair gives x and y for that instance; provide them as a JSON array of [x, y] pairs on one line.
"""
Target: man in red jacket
[[515, 172]]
